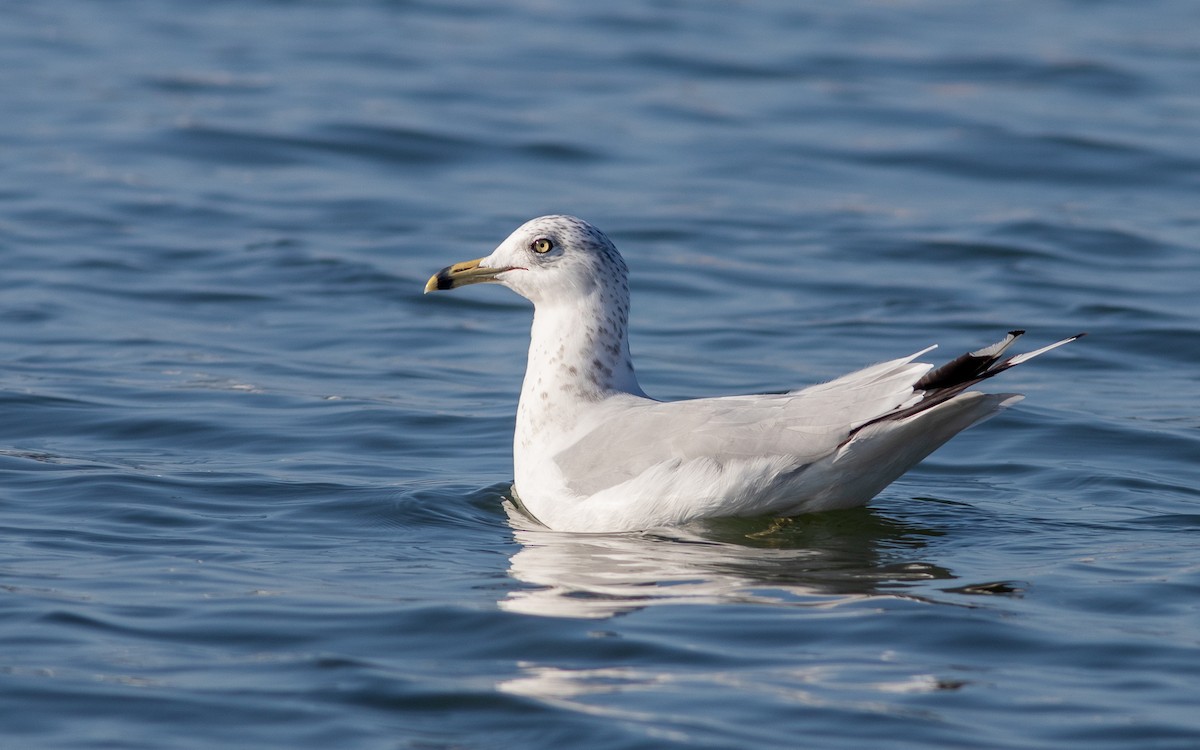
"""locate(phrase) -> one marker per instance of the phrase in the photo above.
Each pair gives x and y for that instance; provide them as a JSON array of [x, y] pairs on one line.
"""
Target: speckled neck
[[577, 356]]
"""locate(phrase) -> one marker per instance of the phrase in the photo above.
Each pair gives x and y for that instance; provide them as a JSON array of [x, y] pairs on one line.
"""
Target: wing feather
[[804, 425]]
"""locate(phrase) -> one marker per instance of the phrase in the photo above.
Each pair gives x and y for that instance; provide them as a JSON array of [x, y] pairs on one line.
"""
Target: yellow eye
[[541, 245]]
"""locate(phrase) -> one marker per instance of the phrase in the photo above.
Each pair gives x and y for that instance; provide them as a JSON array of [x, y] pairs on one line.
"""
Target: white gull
[[593, 453]]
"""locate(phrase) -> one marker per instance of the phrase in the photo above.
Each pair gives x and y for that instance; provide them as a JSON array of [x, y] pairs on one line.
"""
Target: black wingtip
[[944, 383]]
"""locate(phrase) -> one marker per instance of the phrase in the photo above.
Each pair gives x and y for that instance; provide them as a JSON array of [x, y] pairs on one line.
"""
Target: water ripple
[[253, 483]]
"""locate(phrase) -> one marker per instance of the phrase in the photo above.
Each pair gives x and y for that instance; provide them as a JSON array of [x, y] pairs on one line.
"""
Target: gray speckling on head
[[578, 344]]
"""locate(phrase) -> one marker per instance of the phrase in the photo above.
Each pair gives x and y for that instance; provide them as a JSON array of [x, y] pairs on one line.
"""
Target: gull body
[[593, 453]]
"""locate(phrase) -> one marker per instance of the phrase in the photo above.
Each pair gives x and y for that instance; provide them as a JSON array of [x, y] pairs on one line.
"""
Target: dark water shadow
[[816, 560]]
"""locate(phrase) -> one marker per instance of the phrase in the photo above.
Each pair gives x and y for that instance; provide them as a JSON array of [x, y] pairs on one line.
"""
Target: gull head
[[547, 260]]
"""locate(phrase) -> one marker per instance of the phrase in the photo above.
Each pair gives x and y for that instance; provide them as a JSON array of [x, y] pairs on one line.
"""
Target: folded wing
[[805, 426]]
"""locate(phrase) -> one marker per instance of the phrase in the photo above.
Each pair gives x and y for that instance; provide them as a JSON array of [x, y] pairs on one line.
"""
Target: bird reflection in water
[[815, 560]]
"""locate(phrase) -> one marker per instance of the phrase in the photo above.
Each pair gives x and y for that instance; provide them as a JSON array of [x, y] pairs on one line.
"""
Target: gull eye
[[541, 245]]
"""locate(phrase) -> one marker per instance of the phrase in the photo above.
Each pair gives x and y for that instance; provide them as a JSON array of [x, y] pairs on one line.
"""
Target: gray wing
[[803, 426]]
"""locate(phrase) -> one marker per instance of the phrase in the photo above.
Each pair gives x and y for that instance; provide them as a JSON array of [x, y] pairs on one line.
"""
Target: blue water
[[252, 482]]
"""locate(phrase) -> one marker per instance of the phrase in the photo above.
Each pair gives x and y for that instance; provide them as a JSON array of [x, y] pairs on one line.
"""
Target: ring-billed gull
[[592, 452]]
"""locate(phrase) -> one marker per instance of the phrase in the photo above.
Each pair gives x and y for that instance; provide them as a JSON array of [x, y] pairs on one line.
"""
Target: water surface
[[253, 485]]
